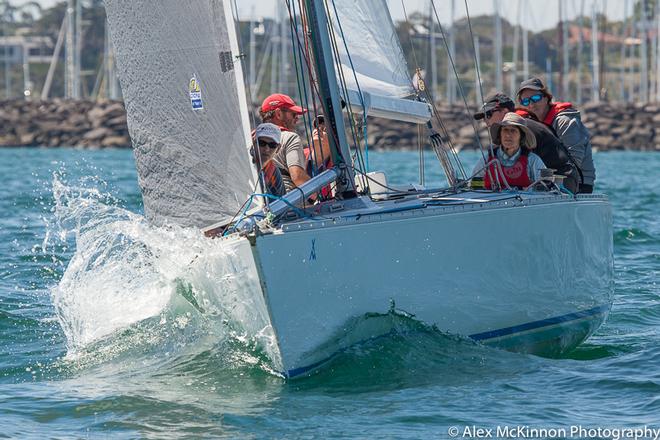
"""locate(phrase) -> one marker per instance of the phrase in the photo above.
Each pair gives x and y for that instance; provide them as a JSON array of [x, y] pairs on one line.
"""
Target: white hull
[[531, 275]]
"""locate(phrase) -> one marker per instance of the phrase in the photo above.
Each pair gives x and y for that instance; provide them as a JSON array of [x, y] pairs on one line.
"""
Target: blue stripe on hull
[[537, 331], [601, 310]]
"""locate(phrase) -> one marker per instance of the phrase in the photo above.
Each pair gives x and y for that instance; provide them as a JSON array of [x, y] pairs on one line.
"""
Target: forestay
[[377, 59], [186, 106]]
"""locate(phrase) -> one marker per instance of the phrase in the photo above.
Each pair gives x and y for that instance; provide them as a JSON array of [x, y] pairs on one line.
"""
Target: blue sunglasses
[[533, 98]]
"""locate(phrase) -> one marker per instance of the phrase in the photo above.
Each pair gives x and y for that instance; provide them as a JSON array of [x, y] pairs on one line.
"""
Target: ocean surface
[[97, 342]]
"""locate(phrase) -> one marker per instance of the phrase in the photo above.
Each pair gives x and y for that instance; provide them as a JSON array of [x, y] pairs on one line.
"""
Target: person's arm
[[321, 146], [534, 166], [298, 175], [574, 136]]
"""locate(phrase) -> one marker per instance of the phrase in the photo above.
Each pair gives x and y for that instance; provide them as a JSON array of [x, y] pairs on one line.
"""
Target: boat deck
[[365, 210]]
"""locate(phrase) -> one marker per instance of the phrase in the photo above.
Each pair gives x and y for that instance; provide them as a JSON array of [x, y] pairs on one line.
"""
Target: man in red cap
[[281, 110]]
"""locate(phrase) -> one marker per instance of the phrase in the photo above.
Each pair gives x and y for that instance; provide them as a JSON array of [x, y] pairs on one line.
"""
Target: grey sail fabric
[[376, 60], [186, 107]]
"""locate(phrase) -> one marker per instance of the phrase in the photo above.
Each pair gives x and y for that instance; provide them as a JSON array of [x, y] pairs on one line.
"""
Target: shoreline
[[95, 125]]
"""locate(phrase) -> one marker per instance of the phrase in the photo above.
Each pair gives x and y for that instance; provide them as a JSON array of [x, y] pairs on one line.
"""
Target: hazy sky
[[537, 14]]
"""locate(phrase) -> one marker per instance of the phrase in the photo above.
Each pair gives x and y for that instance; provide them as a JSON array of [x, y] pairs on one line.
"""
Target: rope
[[342, 81], [477, 70], [364, 108], [437, 141]]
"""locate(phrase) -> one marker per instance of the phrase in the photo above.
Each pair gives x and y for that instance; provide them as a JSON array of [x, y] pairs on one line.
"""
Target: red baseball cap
[[279, 100]]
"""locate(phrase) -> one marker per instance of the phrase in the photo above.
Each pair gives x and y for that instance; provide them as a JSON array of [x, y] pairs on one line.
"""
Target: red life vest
[[555, 109], [516, 174]]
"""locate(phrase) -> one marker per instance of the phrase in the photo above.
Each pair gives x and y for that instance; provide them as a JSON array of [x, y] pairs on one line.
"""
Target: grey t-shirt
[[290, 153]]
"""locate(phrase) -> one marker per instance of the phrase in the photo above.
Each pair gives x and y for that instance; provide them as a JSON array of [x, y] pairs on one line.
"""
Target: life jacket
[[555, 109], [273, 179], [516, 175], [525, 114]]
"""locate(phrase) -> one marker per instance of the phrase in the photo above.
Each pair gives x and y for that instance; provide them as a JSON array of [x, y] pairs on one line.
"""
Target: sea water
[[111, 328]]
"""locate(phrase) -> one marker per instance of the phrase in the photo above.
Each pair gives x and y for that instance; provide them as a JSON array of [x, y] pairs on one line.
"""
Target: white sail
[[375, 59], [186, 106]]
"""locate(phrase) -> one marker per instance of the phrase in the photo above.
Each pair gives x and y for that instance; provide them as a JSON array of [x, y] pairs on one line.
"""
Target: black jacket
[[554, 154]]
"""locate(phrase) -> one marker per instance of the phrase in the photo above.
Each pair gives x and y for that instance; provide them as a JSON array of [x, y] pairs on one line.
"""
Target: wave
[[133, 288], [633, 236]]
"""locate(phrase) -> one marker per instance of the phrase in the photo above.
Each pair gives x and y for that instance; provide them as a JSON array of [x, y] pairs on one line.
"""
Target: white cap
[[270, 131]]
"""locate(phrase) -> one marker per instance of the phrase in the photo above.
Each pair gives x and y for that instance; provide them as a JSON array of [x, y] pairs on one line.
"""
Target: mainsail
[[186, 107], [375, 59]]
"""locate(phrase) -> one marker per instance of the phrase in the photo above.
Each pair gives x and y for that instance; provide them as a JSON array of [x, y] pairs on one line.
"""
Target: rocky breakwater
[[612, 126], [102, 124], [63, 123]]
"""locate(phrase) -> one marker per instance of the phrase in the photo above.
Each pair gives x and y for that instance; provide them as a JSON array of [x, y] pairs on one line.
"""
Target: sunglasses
[[271, 145], [534, 98]]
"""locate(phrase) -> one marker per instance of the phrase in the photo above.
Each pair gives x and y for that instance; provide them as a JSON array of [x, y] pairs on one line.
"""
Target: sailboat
[[528, 271]]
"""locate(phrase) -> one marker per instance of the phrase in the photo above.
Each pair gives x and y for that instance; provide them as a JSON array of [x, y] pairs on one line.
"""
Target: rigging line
[[240, 210], [303, 53], [420, 146], [364, 108], [354, 130], [342, 80], [300, 77], [445, 162], [306, 52], [458, 79], [435, 141], [241, 56], [481, 88], [412, 47]]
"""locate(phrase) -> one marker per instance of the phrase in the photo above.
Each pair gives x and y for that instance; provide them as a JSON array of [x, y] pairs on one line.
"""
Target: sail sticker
[[195, 94]]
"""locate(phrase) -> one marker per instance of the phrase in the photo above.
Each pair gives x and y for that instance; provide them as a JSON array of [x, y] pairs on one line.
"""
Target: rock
[[97, 133], [116, 141], [27, 139]]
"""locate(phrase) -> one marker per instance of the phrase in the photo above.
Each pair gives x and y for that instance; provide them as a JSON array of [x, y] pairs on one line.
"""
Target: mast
[[657, 53], [580, 49], [78, 54], [498, 45], [654, 57], [566, 60], [513, 77], [644, 74], [602, 72], [329, 94], [26, 73], [45, 92], [253, 49], [595, 89], [477, 84], [434, 62], [282, 83], [452, 51], [69, 52], [560, 43], [631, 54], [525, 39]]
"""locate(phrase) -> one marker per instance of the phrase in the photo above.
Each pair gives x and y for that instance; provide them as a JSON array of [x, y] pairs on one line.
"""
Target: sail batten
[[186, 108]]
